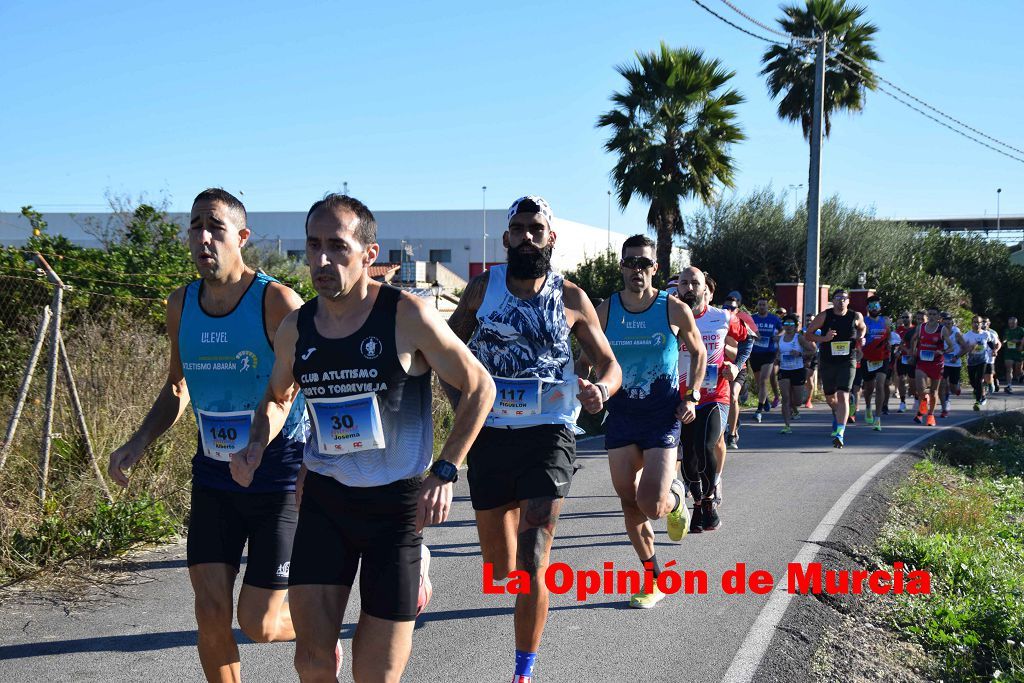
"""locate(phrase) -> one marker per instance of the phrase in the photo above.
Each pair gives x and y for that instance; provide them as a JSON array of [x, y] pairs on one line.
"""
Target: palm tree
[[672, 128], [848, 58]]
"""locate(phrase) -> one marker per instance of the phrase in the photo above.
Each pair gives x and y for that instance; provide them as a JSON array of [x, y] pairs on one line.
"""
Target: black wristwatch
[[445, 471]]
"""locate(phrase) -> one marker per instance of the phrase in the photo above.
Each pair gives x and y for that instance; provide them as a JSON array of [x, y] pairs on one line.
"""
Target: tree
[[848, 59], [598, 276], [672, 128]]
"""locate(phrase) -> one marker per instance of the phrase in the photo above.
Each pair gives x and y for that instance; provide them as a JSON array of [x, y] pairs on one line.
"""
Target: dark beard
[[529, 263], [690, 299]]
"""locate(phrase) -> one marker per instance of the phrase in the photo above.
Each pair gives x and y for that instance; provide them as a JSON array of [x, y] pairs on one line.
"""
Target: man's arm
[[463, 321], [270, 415], [168, 406], [279, 301], [583, 364], [816, 325], [420, 326], [585, 325]]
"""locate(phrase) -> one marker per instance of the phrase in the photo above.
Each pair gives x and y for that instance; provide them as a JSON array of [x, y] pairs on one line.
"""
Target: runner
[[840, 329], [875, 361], [811, 364], [793, 350], [905, 364], [739, 382], [762, 359], [362, 353], [929, 344], [953, 363], [700, 437], [1012, 357], [994, 345], [517, 319], [645, 328], [220, 328], [978, 353]]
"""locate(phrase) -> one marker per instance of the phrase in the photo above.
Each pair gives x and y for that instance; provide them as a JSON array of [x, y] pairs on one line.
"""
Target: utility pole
[[814, 184], [999, 192], [609, 220]]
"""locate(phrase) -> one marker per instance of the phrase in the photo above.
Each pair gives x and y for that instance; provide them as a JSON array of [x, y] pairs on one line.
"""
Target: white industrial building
[[455, 239]]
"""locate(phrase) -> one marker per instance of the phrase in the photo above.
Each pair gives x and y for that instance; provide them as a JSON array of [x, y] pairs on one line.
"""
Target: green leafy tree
[[598, 276], [849, 56], [672, 128]]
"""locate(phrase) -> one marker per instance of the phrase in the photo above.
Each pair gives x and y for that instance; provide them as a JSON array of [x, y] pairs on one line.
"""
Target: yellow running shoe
[[678, 519], [646, 600]]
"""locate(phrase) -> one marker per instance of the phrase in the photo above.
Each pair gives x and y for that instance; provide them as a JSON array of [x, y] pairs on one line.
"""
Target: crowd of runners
[[315, 426]]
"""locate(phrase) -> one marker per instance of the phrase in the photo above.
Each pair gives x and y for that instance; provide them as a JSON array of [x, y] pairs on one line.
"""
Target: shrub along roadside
[[960, 516]]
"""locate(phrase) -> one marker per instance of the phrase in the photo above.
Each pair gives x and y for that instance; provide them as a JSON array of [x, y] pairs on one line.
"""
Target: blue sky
[[418, 105]]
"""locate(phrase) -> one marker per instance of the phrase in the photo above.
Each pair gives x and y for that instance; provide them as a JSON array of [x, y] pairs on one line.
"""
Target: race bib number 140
[[224, 433]]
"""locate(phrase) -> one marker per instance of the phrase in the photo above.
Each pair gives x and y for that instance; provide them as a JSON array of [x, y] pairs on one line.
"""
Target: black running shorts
[[905, 369], [797, 378], [221, 522], [952, 373], [760, 359], [510, 465], [340, 525], [836, 376]]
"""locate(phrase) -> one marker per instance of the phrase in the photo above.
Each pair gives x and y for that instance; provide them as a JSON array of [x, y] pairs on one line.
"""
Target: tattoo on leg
[[540, 516]]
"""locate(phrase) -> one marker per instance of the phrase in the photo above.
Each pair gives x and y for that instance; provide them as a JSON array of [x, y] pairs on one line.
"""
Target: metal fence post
[[26, 381]]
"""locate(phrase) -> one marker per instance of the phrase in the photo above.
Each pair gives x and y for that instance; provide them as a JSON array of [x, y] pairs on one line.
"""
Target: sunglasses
[[789, 324], [729, 307], [634, 262]]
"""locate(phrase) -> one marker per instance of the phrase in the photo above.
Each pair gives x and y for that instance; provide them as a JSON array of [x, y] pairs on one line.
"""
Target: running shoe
[[678, 519], [795, 415], [869, 418], [944, 413], [735, 441], [786, 430], [930, 421], [837, 440], [984, 402], [730, 441], [775, 402], [522, 679], [977, 405], [426, 588], [852, 420], [808, 404], [646, 600], [697, 519], [757, 416], [878, 425], [711, 521], [918, 419], [885, 410], [903, 407]]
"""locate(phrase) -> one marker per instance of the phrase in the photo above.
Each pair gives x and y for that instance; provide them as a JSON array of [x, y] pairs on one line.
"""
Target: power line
[[736, 26], [752, 20], [922, 112], [849, 60]]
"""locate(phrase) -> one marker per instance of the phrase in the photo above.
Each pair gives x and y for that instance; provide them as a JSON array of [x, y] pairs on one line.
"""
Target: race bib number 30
[[516, 397], [841, 348], [347, 425], [224, 433]]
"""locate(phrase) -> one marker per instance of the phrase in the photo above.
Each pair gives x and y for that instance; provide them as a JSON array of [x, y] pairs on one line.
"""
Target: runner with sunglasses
[[841, 328], [874, 362], [793, 349], [644, 328]]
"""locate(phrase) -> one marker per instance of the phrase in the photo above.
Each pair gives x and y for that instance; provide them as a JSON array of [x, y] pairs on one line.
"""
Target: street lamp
[[436, 289], [999, 191], [609, 220], [794, 188], [484, 263]]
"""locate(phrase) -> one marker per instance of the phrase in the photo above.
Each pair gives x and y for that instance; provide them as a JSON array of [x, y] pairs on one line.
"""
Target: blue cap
[[735, 295]]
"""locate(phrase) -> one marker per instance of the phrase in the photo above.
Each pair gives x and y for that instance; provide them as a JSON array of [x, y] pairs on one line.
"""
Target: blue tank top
[[767, 327], [524, 344], [876, 328], [227, 361], [648, 353]]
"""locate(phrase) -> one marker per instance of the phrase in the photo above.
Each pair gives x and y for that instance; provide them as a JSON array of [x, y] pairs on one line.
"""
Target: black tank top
[[382, 430], [844, 327]]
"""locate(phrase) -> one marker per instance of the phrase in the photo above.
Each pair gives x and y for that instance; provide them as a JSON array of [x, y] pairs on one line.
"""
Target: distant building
[[454, 239]]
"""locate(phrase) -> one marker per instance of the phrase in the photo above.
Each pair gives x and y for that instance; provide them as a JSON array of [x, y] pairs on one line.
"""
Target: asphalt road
[[777, 490]]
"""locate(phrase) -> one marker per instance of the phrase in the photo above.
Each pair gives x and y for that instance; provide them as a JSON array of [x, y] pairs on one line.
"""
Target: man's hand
[[731, 371], [829, 336], [590, 396], [124, 457], [244, 464], [434, 504], [686, 412]]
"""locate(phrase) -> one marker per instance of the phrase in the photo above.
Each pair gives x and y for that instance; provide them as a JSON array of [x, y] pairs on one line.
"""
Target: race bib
[[518, 397], [841, 348], [950, 357], [875, 365], [347, 425], [926, 356], [761, 343], [710, 378], [1011, 345], [789, 362], [224, 433], [905, 359]]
